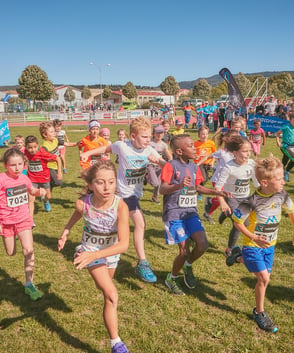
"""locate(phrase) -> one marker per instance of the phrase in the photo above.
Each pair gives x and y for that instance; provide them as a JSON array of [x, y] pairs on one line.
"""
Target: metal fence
[[107, 116]]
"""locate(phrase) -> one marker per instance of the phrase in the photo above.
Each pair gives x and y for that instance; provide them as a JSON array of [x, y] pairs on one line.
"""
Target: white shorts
[[109, 261]]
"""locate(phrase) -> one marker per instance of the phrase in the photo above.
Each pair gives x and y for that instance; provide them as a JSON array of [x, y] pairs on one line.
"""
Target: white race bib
[[98, 241]]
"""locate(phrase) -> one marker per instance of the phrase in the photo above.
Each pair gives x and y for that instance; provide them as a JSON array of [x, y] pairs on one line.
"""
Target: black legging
[[287, 162]]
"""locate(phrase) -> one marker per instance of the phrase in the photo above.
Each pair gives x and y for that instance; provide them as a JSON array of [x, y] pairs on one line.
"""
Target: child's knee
[[28, 252], [202, 244], [11, 252], [111, 297]]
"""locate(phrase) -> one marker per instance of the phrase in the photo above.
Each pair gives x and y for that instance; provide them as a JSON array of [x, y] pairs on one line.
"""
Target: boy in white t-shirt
[[133, 158]]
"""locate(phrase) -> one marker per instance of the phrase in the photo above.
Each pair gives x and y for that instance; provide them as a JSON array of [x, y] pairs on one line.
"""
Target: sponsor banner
[[36, 117], [136, 113], [4, 132], [107, 115], [268, 123], [60, 116], [81, 116]]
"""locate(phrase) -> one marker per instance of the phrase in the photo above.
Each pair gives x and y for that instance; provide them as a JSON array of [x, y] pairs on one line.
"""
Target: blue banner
[[4, 132], [268, 123]]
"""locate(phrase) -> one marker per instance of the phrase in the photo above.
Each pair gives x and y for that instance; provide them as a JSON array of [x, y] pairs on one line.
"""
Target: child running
[[105, 236], [15, 219], [19, 141], [221, 156], [263, 210], [287, 146], [257, 137], [235, 178], [38, 172], [153, 169], [50, 144], [90, 142], [204, 147], [179, 127], [180, 181], [122, 135], [105, 133], [61, 137], [134, 155]]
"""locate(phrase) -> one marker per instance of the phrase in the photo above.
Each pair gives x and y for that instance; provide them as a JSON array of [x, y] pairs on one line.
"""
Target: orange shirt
[[204, 149], [86, 144]]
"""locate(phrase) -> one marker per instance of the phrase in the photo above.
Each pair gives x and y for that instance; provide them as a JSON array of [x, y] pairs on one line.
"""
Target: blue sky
[[144, 41]]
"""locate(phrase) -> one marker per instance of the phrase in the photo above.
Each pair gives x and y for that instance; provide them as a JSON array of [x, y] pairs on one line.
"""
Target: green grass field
[[213, 317]]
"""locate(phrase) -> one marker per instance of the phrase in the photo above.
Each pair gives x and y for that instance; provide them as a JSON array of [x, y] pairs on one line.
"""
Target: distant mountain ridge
[[216, 79], [212, 80]]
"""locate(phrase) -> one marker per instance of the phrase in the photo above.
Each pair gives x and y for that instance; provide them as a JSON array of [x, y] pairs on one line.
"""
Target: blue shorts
[[132, 203], [177, 231], [258, 259]]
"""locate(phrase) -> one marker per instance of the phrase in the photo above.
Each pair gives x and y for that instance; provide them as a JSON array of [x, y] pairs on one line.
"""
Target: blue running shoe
[[286, 176], [145, 273], [47, 206]]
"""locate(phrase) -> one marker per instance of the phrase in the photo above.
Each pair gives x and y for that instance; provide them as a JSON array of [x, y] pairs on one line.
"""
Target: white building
[[60, 91]]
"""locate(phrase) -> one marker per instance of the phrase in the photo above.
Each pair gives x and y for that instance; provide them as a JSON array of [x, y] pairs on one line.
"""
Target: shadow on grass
[[204, 292], [74, 185], [13, 291], [286, 247], [273, 293], [65, 203], [52, 244]]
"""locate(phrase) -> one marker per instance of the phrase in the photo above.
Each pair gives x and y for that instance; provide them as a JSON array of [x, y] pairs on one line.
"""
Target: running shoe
[[207, 205], [145, 273], [228, 252], [208, 218], [264, 321], [120, 347], [286, 176], [189, 278], [155, 200], [47, 206], [172, 285], [232, 258], [33, 292]]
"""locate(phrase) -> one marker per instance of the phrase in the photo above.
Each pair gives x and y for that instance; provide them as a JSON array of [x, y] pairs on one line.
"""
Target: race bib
[[94, 159], [256, 137], [98, 241], [270, 231], [187, 197], [242, 186], [135, 176], [35, 166], [17, 196]]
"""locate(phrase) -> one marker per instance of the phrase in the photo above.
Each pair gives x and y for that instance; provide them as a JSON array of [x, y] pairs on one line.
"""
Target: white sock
[[187, 263], [173, 276], [28, 284], [114, 341]]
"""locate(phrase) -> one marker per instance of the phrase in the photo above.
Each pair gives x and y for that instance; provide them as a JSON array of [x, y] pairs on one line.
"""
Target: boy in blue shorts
[[180, 181], [263, 210]]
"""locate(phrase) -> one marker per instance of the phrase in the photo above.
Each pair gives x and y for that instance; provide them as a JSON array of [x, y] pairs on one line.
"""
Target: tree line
[[35, 85]]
